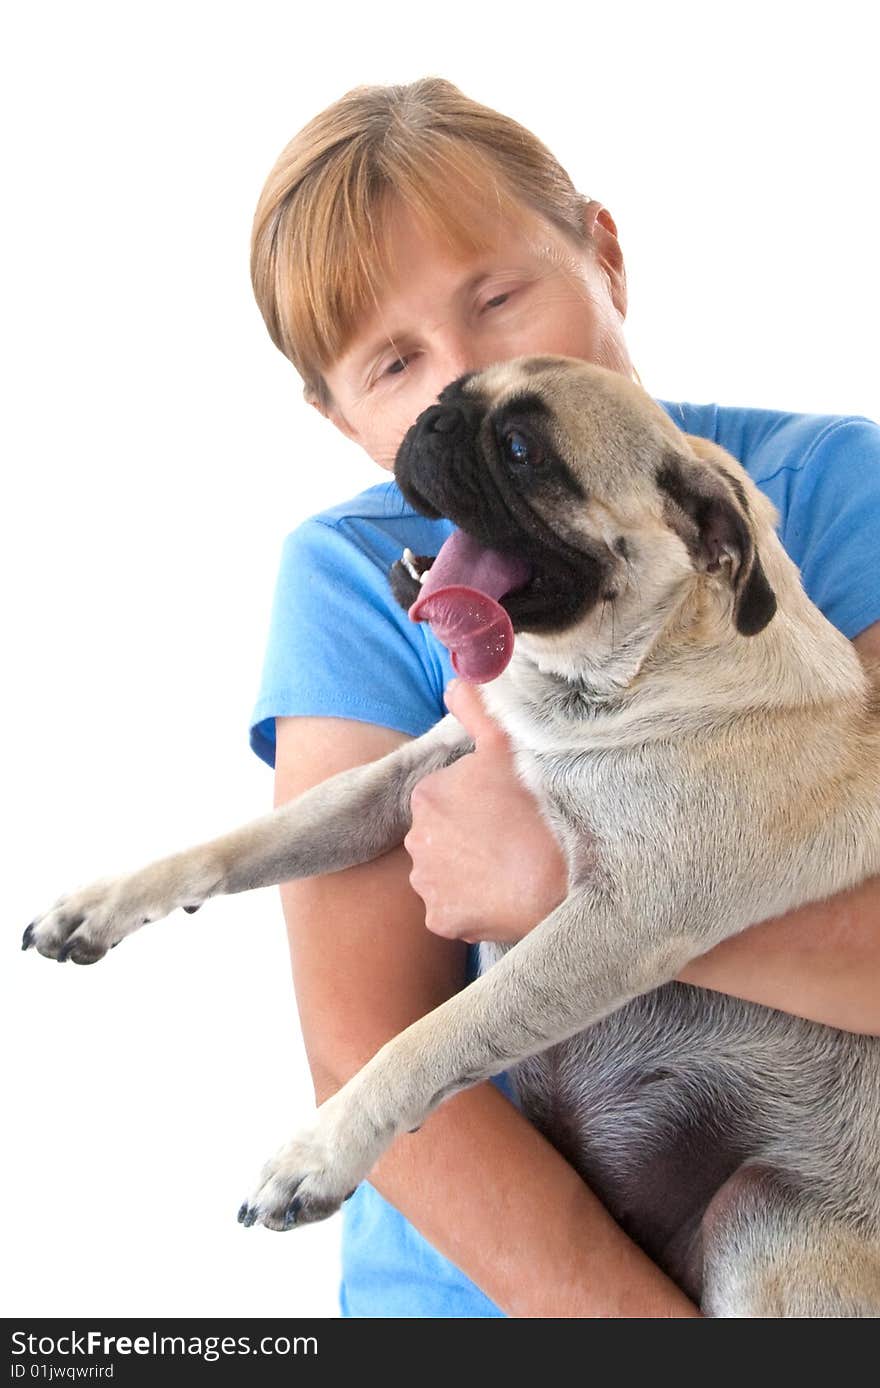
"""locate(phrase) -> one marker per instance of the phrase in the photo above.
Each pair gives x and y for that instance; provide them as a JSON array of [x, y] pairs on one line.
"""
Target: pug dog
[[706, 748]]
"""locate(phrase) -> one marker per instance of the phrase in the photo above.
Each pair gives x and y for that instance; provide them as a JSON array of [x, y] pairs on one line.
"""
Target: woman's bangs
[[457, 198]]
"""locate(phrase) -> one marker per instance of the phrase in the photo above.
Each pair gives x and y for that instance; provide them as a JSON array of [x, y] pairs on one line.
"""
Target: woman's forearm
[[491, 1194], [478, 1180], [821, 962]]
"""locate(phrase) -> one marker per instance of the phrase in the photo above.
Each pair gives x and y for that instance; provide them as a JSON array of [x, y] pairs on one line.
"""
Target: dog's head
[[573, 492]]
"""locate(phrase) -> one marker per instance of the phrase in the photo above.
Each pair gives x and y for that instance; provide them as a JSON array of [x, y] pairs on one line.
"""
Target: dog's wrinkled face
[[573, 490]]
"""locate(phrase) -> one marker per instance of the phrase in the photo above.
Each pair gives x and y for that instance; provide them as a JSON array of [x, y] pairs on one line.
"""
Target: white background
[[157, 451]]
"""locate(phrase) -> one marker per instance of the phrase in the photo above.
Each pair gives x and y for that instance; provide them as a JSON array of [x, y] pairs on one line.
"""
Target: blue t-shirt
[[339, 646]]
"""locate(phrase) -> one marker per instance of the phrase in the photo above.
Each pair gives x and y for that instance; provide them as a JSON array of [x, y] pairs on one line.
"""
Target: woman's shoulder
[[339, 644], [768, 441], [376, 525]]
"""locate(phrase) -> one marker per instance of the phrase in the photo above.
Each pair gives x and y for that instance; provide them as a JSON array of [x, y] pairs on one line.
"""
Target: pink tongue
[[458, 598]]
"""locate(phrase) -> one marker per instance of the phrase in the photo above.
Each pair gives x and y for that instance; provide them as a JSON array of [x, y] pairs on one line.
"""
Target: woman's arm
[[477, 1180], [821, 961]]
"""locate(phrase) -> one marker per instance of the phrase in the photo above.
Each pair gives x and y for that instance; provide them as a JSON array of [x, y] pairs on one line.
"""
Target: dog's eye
[[520, 449]]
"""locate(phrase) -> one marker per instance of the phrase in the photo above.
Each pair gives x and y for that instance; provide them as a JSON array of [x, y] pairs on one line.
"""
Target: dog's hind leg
[[771, 1250], [348, 819]]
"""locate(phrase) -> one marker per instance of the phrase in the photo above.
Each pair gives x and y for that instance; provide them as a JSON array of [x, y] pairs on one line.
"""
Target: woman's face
[[534, 292]]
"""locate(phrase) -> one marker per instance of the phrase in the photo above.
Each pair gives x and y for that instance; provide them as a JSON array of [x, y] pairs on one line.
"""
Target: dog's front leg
[[348, 819], [582, 962]]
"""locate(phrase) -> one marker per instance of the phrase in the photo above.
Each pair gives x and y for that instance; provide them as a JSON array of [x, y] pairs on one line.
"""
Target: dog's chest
[[542, 714], [567, 758]]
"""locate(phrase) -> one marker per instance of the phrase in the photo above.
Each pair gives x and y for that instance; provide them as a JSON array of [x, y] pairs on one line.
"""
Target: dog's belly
[[651, 1140], [661, 1102]]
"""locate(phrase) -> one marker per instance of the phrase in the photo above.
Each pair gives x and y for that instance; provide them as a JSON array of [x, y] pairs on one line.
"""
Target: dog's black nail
[[250, 1218], [27, 938], [350, 1194], [63, 952], [191, 909], [291, 1212], [242, 1214]]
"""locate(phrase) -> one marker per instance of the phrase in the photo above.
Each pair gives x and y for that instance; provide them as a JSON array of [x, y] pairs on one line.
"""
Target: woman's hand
[[485, 861]]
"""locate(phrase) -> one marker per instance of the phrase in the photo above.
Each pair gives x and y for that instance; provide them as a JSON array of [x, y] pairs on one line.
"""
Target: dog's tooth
[[408, 560]]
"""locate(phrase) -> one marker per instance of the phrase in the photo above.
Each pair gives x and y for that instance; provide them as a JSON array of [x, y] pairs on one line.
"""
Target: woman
[[405, 236]]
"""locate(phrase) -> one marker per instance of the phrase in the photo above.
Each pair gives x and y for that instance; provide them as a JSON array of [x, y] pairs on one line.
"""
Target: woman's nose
[[455, 356], [452, 370]]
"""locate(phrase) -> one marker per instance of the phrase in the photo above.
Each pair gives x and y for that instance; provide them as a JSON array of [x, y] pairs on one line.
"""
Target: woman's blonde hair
[[318, 250]]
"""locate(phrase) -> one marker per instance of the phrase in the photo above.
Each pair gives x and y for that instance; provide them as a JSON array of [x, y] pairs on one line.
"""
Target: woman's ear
[[601, 229], [331, 412]]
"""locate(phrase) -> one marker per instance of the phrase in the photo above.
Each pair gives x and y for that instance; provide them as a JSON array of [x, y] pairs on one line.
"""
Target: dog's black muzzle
[[449, 466], [436, 455]]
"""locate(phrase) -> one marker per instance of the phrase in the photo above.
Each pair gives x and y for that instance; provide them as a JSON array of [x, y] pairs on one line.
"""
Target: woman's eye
[[396, 367], [498, 300]]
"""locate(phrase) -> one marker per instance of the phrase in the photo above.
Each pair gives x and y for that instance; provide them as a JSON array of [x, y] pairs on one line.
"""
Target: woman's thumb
[[465, 701]]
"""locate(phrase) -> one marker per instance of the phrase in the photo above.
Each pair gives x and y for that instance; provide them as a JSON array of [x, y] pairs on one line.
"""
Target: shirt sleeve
[[831, 525], [339, 646]]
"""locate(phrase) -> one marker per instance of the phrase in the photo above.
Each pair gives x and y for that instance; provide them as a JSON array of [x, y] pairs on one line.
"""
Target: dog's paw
[[81, 926], [86, 924], [306, 1181]]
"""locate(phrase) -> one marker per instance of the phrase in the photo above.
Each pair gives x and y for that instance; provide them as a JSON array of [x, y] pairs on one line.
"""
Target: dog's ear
[[709, 509]]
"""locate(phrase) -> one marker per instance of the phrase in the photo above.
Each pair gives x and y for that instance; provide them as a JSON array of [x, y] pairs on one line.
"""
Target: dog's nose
[[442, 419]]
